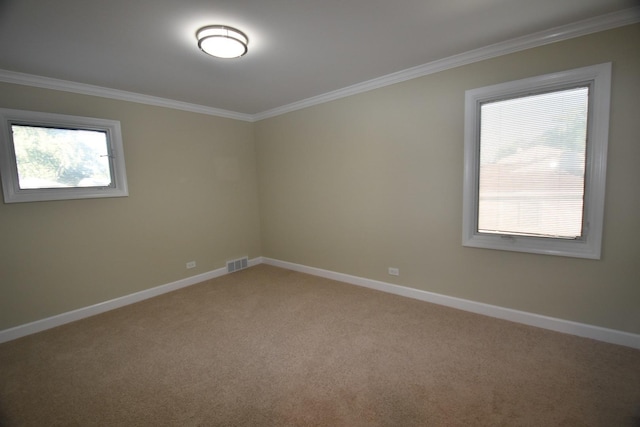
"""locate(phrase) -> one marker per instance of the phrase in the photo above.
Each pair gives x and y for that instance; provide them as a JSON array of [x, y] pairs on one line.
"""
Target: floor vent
[[237, 264]]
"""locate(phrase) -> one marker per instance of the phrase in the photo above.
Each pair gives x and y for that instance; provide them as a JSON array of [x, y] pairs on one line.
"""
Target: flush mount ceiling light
[[222, 41]]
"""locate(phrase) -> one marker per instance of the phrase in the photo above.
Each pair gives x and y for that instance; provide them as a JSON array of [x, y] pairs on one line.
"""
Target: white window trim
[[589, 245], [9, 171]]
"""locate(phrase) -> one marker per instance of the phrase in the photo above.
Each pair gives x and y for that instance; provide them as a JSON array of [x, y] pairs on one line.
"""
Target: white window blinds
[[532, 164]]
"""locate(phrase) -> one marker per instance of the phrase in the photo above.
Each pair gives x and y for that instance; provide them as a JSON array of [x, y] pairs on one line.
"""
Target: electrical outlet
[[394, 271], [191, 264]]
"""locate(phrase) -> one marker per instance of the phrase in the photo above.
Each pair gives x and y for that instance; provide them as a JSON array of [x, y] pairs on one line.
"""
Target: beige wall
[[355, 186], [193, 196], [374, 181]]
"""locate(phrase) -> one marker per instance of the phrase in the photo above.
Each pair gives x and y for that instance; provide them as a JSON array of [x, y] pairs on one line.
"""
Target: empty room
[[319, 213]]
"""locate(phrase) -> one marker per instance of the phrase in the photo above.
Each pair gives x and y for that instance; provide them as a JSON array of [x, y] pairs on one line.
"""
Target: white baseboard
[[559, 325], [92, 310]]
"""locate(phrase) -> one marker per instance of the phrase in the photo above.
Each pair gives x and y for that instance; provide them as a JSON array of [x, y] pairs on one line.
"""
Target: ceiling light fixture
[[222, 41]]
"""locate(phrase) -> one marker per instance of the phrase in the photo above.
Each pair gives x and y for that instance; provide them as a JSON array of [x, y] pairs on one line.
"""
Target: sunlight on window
[[532, 164], [49, 157]]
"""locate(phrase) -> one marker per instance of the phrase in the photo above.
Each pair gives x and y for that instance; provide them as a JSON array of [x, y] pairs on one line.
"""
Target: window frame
[[9, 169], [589, 245]]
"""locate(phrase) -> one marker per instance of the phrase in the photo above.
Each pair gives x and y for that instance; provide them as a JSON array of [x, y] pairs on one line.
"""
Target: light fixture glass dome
[[222, 41]]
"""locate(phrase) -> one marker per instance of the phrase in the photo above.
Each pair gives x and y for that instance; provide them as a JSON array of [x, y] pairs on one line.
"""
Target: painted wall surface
[[192, 196], [355, 186], [374, 180]]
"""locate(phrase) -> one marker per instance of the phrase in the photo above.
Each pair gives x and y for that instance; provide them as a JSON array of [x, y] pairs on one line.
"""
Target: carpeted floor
[[271, 347]]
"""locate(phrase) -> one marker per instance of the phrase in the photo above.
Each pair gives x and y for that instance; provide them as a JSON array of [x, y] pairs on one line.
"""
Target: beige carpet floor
[[271, 347]]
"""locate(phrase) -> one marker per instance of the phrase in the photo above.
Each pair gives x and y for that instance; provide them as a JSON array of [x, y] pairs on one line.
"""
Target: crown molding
[[7, 76], [565, 32]]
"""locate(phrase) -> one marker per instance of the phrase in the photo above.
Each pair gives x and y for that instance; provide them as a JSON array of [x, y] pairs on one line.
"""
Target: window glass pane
[[49, 157], [532, 164]]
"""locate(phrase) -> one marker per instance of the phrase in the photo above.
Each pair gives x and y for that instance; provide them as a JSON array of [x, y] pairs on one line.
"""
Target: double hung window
[[535, 163]]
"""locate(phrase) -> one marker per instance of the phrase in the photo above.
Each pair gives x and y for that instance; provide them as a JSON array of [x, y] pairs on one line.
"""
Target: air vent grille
[[237, 264]]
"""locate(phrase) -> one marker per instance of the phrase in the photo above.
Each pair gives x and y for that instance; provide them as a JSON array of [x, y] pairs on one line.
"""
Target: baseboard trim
[[92, 310], [611, 336], [559, 325]]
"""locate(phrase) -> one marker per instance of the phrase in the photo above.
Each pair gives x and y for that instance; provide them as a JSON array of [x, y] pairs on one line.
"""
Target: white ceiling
[[298, 48]]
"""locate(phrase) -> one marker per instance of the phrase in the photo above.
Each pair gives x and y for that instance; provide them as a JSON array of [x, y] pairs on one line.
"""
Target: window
[[535, 163], [54, 157]]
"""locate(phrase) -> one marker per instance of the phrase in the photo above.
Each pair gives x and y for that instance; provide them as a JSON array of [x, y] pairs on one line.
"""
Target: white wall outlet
[[191, 264], [394, 271]]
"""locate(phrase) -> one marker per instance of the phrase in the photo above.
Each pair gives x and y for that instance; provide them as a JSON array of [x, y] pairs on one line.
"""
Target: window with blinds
[[535, 163], [532, 164]]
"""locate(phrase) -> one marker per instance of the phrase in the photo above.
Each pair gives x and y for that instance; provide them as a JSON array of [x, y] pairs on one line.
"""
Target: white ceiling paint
[[300, 51]]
